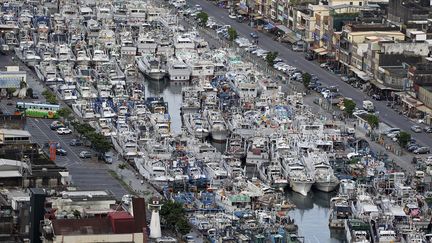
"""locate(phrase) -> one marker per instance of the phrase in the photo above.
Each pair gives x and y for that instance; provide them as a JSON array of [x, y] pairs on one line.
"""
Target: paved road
[[297, 59]]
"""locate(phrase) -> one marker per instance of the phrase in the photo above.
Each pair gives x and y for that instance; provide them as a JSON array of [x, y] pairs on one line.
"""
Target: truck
[[368, 106]]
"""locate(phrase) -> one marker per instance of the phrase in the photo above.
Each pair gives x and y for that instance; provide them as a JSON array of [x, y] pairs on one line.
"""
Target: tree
[[232, 34], [271, 56], [174, 216], [182, 226], [306, 79], [10, 91], [64, 112], [99, 142], [29, 92], [349, 106], [83, 128], [372, 120], [203, 18], [50, 97], [403, 138]]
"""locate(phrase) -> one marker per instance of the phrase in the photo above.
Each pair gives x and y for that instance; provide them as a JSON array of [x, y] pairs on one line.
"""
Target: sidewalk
[[131, 179]]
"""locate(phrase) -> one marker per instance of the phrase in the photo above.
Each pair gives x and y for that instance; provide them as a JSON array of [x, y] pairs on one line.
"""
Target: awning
[[424, 109], [291, 37], [319, 50], [381, 85], [258, 17], [283, 28], [323, 53], [360, 73], [10, 174]]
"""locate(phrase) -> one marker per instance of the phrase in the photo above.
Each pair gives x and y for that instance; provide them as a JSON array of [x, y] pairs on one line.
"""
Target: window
[[351, 3], [360, 3]]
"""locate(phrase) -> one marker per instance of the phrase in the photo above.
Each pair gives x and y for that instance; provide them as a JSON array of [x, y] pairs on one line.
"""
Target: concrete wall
[[425, 96], [420, 49]]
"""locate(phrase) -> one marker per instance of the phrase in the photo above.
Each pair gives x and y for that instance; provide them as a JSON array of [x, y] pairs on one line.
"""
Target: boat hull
[[219, 136], [326, 186], [155, 75], [302, 187]]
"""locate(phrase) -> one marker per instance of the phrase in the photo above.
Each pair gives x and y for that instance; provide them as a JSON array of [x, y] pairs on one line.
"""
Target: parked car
[[393, 134], [61, 152], [392, 130], [422, 150], [107, 157], [75, 142], [413, 147], [64, 130], [427, 129], [416, 128], [56, 125], [254, 35], [85, 154]]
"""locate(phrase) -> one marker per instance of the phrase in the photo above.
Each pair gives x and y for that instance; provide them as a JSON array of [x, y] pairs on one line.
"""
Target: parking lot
[[87, 174]]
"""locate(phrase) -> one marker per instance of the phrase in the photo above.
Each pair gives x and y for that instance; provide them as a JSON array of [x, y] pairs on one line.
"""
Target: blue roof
[[9, 83]]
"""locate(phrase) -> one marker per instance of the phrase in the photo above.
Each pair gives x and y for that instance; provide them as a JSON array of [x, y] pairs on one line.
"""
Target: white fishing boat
[[125, 143], [154, 171], [217, 126], [196, 125], [151, 66], [272, 175], [295, 171], [178, 71], [319, 166]]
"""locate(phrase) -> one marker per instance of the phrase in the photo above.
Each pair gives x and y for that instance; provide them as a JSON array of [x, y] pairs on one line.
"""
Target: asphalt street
[[387, 115]]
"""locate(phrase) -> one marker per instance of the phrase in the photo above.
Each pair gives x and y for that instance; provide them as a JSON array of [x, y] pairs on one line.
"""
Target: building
[[12, 77], [116, 226], [14, 136]]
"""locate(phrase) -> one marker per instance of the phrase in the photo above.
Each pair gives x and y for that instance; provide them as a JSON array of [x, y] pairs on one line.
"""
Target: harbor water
[[311, 213]]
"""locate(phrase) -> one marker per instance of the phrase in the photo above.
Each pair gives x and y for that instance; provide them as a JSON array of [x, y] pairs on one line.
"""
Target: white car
[[360, 112], [393, 134], [64, 130], [232, 16]]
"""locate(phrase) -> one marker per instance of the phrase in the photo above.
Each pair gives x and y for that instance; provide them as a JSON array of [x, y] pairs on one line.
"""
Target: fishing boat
[[151, 66]]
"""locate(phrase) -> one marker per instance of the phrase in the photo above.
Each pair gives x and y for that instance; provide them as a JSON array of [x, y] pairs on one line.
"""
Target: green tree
[[174, 216], [50, 97], [306, 79], [64, 112], [202, 18], [99, 142], [10, 91], [182, 226], [349, 106], [372, 120], [232, 34], [29, 92], [403, 138], [83, 128], [271, 56]]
